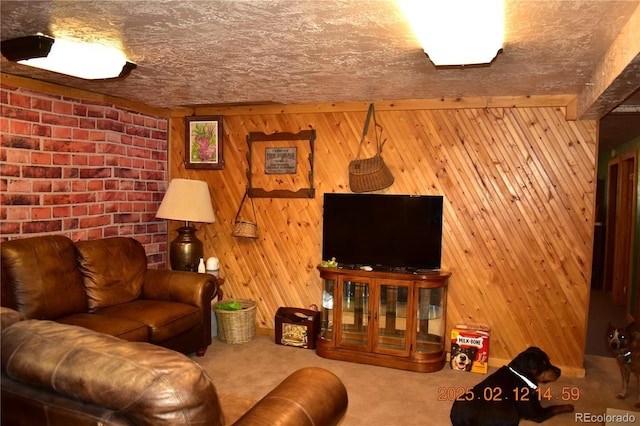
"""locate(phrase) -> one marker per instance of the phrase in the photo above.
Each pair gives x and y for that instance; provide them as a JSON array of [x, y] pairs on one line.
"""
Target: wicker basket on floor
[[236, 326]]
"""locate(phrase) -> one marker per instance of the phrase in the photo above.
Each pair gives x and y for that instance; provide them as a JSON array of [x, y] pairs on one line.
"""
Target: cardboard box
[[470, 349], [297, 327]]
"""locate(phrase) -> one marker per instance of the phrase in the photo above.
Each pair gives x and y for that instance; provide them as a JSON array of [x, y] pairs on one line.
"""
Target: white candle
[[213, 264]]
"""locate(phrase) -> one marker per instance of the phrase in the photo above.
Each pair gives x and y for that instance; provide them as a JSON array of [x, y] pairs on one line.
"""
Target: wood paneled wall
[[519, 188]]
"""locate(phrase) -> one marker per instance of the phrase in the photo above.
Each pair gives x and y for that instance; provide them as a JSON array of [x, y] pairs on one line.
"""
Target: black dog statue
[[509, 394]]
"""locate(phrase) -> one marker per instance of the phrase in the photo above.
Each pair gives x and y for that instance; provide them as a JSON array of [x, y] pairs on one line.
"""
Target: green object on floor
[[231, 306]]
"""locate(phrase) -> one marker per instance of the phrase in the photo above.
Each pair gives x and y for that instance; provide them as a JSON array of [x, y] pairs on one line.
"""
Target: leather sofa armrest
[[309, 396], [148, 384], [8, 317], [184, 287], [179, 286]]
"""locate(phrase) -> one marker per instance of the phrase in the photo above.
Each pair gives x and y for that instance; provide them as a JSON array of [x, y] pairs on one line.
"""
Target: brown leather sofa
[[104, 285], [58, 374]]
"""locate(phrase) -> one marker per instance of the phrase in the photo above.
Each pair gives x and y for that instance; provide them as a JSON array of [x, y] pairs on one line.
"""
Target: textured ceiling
[[293, 51]]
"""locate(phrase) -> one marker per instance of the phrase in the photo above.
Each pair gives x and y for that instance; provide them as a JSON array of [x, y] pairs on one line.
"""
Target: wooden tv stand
[[390, 319]]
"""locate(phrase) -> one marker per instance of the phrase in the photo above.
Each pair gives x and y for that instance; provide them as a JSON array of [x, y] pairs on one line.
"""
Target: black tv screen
[[383, 231]]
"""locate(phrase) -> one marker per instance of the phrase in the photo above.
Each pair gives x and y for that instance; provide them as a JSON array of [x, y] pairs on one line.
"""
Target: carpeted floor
[[387, 397]]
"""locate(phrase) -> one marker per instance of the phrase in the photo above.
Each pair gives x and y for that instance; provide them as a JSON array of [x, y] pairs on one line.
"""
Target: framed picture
[[203, 142], [281, 164], [281, 160]]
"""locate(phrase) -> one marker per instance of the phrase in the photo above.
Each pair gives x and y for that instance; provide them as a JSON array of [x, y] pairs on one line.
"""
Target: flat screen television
[[383, 231]]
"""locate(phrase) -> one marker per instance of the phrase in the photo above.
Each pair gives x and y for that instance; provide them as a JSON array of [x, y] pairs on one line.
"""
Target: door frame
[[620, 231]]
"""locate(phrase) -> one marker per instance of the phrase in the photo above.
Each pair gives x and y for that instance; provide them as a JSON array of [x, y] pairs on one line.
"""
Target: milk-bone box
[[297, 327], [470, 349]]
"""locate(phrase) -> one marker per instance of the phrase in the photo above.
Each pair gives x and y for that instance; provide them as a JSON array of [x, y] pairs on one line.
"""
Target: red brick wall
[[82, 169]]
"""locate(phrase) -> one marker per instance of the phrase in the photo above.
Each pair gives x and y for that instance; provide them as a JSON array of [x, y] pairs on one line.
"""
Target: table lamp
[[187, 200]]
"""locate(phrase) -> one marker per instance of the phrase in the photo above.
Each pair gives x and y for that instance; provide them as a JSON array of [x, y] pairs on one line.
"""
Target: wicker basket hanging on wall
[[370, 174], [245, 228]]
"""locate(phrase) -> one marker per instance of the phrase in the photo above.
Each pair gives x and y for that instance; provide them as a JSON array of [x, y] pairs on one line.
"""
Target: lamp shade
[[91, 61], [187, 200]]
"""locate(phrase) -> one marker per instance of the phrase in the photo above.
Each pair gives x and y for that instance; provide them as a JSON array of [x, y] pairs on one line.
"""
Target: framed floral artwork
[[203, 142]]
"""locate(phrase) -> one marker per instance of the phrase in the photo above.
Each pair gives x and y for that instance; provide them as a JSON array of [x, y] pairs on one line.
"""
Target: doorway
[[612, 297], [620, 231]]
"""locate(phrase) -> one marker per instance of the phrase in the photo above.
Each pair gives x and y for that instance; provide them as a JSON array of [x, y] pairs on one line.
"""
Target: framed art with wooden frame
[[203, 142], [274, 170]]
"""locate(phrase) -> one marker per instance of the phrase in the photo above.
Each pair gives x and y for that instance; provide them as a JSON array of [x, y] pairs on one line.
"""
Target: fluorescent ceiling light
[[91, 61], [457, 32]]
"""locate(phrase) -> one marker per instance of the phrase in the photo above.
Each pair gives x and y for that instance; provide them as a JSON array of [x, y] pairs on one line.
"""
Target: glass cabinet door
[[354, 319], [430, 327], [326, 318], [394, 301]]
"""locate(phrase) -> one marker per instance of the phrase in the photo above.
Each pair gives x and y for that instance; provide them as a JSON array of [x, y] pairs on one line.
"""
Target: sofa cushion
[[133, 331], [148, 384], [40, 277], [113, 270], [8, 317], [164, 319]]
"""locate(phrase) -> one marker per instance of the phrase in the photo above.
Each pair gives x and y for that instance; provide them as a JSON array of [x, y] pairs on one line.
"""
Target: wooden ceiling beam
[[396, 105], [609, 85]]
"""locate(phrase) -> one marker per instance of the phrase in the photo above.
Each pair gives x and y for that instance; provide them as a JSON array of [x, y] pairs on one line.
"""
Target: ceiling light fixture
[[457, 32], [91, 61]]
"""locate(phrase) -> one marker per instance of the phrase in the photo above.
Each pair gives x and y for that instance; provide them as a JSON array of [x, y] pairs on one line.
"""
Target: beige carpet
[[382, 396]]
